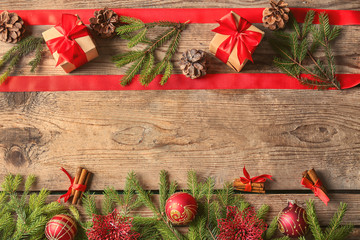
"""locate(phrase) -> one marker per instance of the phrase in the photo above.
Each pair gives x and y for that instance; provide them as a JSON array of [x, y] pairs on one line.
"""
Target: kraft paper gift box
[[72, 35], [231, 23]]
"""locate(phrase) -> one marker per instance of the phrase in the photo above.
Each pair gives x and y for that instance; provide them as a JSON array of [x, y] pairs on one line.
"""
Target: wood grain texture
[[78, 4], [216, 133], [279, 201]]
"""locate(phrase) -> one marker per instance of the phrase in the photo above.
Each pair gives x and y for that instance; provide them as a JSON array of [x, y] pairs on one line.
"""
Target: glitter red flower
[[112, 227], [241, 225]]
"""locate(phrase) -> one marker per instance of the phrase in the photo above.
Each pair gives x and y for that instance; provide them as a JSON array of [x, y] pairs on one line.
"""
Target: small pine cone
[[193, 63], [11, 27], [277, 16], [105, 22]]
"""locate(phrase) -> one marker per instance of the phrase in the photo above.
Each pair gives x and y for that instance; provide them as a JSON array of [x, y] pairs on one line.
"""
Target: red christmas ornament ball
[[181, 208], [61, 227], [292, 221]]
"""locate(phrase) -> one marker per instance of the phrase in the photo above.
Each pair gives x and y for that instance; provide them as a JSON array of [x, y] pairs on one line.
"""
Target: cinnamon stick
[[81, 181], [255, 187], [76, 179], [314, 178], [86, 183], [258, 185]]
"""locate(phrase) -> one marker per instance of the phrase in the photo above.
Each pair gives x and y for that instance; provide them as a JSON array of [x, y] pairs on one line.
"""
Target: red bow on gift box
[[247, 180], [68, 49], [316, 188], [79, 187], [239, 34]]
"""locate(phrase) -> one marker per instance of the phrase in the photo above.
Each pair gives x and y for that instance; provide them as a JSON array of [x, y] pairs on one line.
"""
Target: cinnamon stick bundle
[[82, 177], [313, 177], [255, 187]]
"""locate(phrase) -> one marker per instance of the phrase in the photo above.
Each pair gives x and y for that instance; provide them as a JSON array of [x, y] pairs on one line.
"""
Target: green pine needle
[[23, 48], [336, 220], [342, 233], [272, 228], [147, 68], [130, 20], [124, 29], [132, 71], [313, 221], [262, 211], [295, 48], [309, 19], [163, 189], [23, 217], [123, 59], [89, 204], [108, 204], [137, 38], [334, 231], [135, 32]]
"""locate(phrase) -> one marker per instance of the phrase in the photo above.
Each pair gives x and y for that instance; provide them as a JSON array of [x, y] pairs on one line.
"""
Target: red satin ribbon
[[79, 187], [196, 15], [247, 180], [316, 188], [246, 40], [66, 46], [241, 80]]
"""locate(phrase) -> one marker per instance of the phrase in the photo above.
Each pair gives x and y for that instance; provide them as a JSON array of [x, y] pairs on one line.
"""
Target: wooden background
[[215, 132]]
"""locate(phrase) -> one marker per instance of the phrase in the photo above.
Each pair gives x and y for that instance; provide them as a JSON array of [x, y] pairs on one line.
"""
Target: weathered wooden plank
[[214, 132], [196, 36], [63, 4], [279, 201]]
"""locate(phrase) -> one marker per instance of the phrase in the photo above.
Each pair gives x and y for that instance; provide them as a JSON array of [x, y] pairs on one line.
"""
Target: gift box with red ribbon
[[70, 43], [235, 40]]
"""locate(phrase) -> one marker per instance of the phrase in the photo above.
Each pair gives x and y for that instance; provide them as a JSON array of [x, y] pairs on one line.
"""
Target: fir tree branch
[[262, 211], [23, 218], [108, 204], [342, 233], [163, 190], [22, 48], [89, 204], [144, 60], [313, 221], [272, 228], [335, 221], [294, 47]]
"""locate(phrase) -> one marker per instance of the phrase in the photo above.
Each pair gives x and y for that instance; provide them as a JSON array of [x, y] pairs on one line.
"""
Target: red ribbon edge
[[258, 179], [196, 15], [176, 82], [79, 187], [316, 188]]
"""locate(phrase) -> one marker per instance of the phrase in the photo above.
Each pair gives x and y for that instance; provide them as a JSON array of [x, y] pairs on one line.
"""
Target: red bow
[[66, 46], [246, 40], [247, 180], [316, 188], [79, 187]]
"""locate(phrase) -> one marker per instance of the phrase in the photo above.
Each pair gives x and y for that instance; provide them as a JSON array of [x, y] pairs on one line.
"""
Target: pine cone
[[105, 22], [11, 27], [193, 63], [277, 16]]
